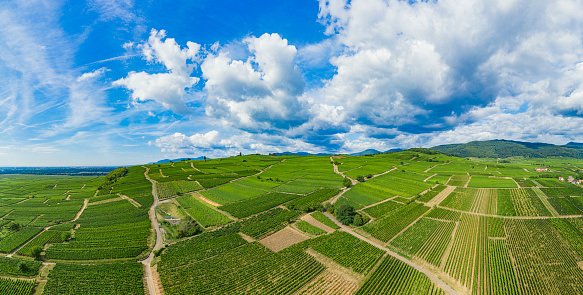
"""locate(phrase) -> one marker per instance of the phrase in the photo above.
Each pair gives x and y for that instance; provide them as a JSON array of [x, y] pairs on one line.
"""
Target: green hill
[[509, 148]]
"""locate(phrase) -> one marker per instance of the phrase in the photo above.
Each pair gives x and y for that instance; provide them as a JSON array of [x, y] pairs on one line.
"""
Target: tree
[[22, 267], [357, 220], [329, 207], [369, 175], [36, 251], [65, 236], [204, 157], [347, 182], [345, 214], [360, 178]]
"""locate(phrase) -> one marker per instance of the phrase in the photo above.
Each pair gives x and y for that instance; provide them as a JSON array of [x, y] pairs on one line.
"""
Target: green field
[[503, 229]]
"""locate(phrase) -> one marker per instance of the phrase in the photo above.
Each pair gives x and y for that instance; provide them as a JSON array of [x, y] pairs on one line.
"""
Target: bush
[[357, 220], [347, 182], [369, 175], [22, 267], [36, 251], [360, 178], [345, 214], [65, 236]]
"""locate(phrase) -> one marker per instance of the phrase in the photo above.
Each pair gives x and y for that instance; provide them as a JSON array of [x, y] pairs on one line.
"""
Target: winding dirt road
[[146, 262]]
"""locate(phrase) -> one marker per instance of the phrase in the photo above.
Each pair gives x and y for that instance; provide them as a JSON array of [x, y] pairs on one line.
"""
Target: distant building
[[571, 179], [561, 178], [541, 169]]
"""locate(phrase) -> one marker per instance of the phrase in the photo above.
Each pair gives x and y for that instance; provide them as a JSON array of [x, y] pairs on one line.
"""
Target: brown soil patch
[[330, 283], [156, 279], [283, 239]]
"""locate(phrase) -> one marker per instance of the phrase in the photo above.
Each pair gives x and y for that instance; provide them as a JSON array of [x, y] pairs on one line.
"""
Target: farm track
[[148, 261], [428, 273]]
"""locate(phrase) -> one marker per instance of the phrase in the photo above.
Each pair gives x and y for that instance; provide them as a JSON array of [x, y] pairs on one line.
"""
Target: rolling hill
[[509, 148]]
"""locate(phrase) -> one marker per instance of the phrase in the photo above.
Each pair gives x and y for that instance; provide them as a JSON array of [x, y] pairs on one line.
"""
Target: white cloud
[[261, 92], [169, 88], [92, 75]]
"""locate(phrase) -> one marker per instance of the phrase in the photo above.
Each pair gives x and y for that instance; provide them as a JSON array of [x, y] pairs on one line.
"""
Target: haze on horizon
[[104, 82]]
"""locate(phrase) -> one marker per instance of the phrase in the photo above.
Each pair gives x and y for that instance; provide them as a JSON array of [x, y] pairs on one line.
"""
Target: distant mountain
[[373, 151], [577, 145], [177, 160], [366, 152], [509, 148]]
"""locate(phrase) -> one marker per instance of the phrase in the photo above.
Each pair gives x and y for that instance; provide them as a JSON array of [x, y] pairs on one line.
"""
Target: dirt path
[[354, 181], [148, 261], [427, 170], [132, 201], [426, 179], [192, 165], [428, 273], [441, 196]]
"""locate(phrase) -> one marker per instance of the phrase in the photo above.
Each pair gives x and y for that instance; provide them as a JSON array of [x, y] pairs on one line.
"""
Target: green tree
[[357, 220], [360, 178], [21, 267], [65, 236], [347, 182], [36, 251], [345, 214]]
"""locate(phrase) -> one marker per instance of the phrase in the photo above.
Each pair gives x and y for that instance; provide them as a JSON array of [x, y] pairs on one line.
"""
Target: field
[[427, 221]]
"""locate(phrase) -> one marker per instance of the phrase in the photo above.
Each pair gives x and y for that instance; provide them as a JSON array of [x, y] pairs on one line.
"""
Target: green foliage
[[36, 251], [360, 178], [325, 220], [110, 278], [389, 225], [346, 182], [308, 228], [112, 177], [345, 214], [18, 267], [17, 287], [202, 213], [248, 207], [401, 278], [65, 236], [348, 251], [358, 220], [507, 148], [313, 201], [188, 227]]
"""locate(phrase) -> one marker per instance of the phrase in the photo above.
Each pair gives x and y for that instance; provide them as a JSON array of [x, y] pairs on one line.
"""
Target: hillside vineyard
[[410, 222]]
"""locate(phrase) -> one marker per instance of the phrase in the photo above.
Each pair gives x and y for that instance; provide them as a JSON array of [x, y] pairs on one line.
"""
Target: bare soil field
[[283, 239]]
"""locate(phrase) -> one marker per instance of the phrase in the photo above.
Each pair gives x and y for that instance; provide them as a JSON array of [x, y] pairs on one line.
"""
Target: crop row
[[395, 277], [9, 267], [248, 207], [202, 213], [312, 201], [251, 268], [47, 237], [348, 251], [325, 220], [382, 208], [308, 228], [113, 278], [415, 236], [389, 225], [16, 287]]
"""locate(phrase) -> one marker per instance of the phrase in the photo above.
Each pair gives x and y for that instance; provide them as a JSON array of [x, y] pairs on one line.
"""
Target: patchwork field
[[412, 222]]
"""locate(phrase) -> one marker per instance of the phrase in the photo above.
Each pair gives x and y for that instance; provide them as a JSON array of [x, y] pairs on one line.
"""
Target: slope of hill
[[509, 148]]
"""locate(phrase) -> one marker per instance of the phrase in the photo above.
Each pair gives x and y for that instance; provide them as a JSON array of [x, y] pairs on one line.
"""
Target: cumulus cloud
[[430, 66], [215, 144], [262, 92], [168, 88]]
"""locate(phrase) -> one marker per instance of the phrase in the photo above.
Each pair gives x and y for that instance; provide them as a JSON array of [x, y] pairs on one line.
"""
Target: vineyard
[[417, 222]]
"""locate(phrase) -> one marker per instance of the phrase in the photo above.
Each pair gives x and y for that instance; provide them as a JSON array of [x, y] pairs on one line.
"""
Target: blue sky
[[105, 82]]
